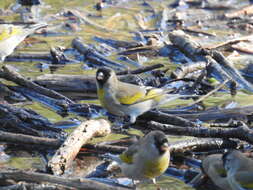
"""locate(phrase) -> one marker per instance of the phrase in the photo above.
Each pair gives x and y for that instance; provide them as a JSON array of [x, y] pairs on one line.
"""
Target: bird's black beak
[[165, 146], [100, 76]]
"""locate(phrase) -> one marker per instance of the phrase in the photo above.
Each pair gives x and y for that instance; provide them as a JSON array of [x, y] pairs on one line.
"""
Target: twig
[[209, 93], [141, 70]]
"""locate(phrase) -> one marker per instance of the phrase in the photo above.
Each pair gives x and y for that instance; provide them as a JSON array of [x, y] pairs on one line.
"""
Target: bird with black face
[[239, 170], [231, 171], [125, 99], [146, 159]]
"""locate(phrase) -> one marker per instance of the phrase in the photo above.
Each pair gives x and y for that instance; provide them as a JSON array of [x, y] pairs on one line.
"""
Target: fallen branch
[[230, 70], [29, 57], [29, 140], [79, 183], [26, 121], [140, 70], [93, 56], [183, 70], [242, 132], [201, 144], [71, 146], [166, 118], [208, 115], [8, 73]]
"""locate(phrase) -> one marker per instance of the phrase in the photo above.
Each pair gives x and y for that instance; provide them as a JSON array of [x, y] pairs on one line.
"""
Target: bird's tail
[[170, 97], [32, 28]]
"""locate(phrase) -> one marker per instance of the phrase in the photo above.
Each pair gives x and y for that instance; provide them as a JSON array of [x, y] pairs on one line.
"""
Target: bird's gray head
[[160, 141], [232, 160], [103, 75]]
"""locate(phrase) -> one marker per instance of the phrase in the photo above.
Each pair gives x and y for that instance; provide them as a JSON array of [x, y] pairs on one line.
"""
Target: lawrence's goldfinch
[[239, 170], [146, 159], [11, 35], [124, 99]]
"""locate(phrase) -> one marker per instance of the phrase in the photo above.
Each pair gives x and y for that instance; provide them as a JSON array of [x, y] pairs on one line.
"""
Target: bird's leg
[[119, 126], [157, 186], [134, 184]]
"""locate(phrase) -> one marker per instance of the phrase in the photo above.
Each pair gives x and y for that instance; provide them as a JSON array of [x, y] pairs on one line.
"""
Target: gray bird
[[12, 35]]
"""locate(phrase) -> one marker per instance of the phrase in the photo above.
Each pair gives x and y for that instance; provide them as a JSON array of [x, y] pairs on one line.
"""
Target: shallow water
[[121, 22]]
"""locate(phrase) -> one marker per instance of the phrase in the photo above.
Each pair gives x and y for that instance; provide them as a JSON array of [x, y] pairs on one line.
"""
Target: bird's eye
[[100, 76]]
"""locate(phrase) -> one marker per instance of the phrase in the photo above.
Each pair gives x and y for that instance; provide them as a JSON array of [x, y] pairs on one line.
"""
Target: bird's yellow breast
[[101, 94], [247, 185], [7, 32], [156, 167]]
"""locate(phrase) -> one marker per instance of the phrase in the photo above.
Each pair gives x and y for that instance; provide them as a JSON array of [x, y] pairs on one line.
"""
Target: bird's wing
[[131, 94], [6, 31], [128, 155]]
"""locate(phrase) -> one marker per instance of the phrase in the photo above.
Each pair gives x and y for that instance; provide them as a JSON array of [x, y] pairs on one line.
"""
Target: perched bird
[[212, 166], [11, 35], [124, 99], [146, 159], [239, 170], [231, 171]]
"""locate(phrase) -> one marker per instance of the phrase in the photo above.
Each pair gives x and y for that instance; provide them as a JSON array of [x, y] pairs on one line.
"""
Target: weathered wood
[[26, 121], [242, 132], [79, 183], [106, 148], [93, 56], [183, 70], [208, 115], [196, 52], [29, 57], [185, 44], [71, 146], [6, 92], [80, 85], [8, 73], [231, 70], [201, 144], [29, 139], [140, 70], [166, 118]]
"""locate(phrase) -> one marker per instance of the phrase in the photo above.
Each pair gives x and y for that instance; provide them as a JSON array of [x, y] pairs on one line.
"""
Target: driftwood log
[[196, 52], [71, 146]]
